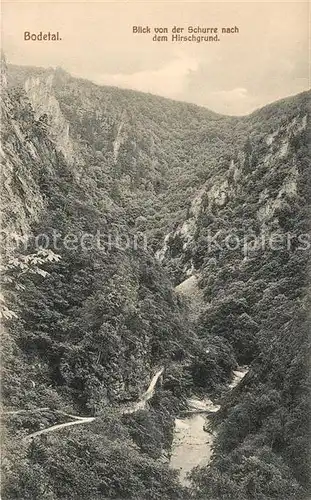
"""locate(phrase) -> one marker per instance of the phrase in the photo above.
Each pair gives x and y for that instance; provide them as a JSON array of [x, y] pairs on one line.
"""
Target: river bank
[[192, 445]]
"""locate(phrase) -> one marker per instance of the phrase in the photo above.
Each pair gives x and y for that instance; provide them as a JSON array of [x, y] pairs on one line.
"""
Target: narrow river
[[192, 445]]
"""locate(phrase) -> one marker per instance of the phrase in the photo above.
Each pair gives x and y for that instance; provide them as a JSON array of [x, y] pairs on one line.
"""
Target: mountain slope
[[84, 336], [202, 192]]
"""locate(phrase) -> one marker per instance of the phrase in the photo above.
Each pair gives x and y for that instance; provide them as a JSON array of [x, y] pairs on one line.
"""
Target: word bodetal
[[42, 36]]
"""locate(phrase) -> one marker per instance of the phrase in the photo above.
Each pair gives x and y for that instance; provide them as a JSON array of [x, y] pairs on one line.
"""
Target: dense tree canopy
[[87, 327]]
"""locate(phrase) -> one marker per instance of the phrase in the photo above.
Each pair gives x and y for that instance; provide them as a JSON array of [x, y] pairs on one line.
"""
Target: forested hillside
[[174, 191]]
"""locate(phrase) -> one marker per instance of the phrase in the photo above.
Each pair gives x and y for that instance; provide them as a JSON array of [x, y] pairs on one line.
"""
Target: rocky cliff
[[206, 194]]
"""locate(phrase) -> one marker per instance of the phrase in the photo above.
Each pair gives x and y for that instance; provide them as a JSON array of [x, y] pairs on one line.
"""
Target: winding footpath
[[141, 404]]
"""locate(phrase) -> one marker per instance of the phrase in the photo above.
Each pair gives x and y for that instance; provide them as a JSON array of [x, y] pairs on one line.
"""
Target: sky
[[267, 60]]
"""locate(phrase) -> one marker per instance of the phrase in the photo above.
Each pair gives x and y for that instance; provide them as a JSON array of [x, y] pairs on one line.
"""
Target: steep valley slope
[[87, 328]]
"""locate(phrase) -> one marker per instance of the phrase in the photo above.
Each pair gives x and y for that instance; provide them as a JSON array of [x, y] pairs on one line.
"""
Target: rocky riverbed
[[192, 445]]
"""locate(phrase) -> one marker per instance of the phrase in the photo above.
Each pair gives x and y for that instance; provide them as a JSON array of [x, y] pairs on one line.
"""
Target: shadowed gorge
[[142, 277]]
